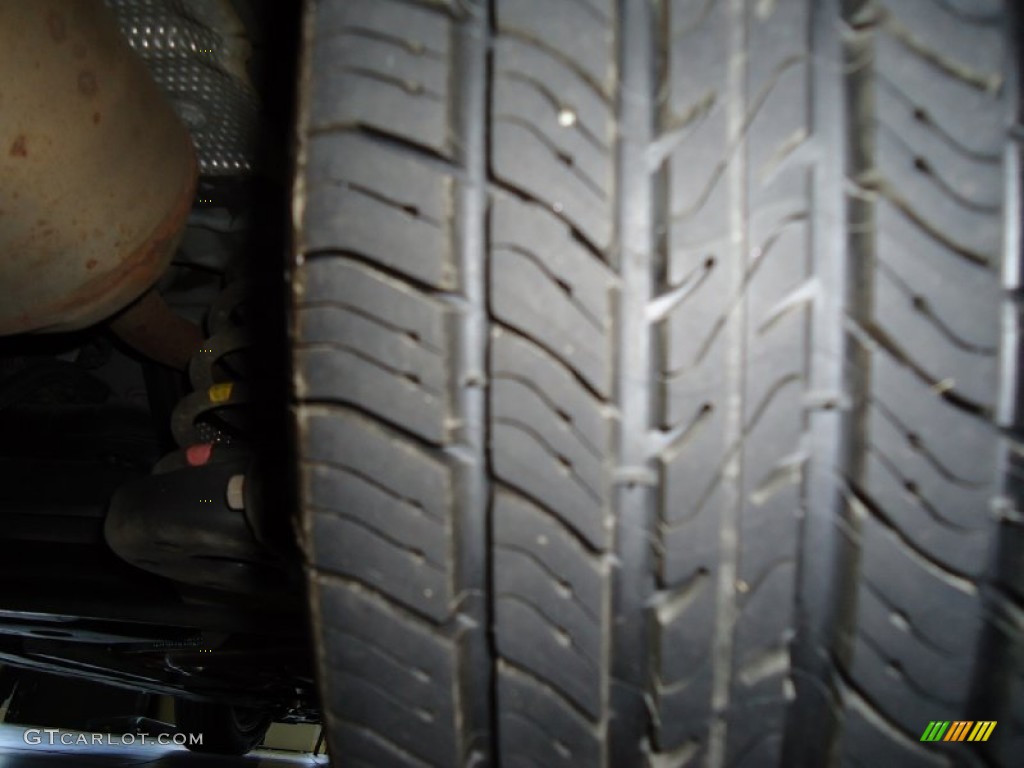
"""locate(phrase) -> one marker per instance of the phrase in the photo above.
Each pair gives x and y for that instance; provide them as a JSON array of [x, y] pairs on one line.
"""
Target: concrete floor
[[15, 753]]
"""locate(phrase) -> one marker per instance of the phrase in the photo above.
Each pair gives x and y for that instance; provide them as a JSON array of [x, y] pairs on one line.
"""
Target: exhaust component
[[97, 173], [198, 52]]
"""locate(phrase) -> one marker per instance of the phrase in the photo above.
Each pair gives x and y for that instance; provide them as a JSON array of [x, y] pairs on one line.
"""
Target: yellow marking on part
[[220, 392]]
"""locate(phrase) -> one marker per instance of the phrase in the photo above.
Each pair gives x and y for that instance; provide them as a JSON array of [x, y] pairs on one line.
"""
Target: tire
[[655, 376], [226, 730]]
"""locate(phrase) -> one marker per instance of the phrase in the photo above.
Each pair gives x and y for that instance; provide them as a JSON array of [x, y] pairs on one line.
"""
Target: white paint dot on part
[[566, 117]]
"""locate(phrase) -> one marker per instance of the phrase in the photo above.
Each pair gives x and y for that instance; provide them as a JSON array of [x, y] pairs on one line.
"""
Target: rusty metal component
[[97, 174], [152, 328]]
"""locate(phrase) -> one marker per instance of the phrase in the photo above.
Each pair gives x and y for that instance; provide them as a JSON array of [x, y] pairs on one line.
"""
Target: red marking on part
[[198, 454]]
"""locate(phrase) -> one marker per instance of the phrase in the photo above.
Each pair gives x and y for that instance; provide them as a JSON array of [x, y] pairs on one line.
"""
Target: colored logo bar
[[958, 730]]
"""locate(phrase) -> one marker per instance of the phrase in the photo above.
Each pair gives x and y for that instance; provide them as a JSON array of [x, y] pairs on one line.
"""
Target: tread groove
[[503, 185], [584, 76], [555, 577], [876, 186], [923, 117], [558, 628], [406, 333], [906, 679], [409, 46], [550, 449], [905, 620], [505, 665], [504, 375], [382, 535], [420, 509], [933, 318], [922, 450], [380, 649], [337, 346], [950, 575], [401, 611], [562, 284], [737, 141], [585, 131], [551, 354], [987, 82], [937, 179], [919, 497], [384, 741], [562, 522], [565, 160]]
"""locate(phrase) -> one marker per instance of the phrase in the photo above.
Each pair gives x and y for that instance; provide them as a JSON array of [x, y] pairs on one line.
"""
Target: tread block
[[765, 614], [692, 339], [768, 531], [419, 26], [348, 285], [683, 709], [961, 111], [359, 695], [547, 443], [947, 283], [579, 33], [933, 526], [540, 644], [549, 592], [544, 578], [685, 627], [526, 463], [899, 695], [540, 143], [350, 460], [386, 66], [517, 364], [539, 727], [329, 372], [363, 747], [690, 543], [343, 491], [544, 76], [943, 37], [931, 600], [525, 529], [926, 336], [869, 740], [375, 343], [342, 546], [890, 636], [697, 103], [763, 747], [548, 286], [933, 204], [935, 422], [386, 206]]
